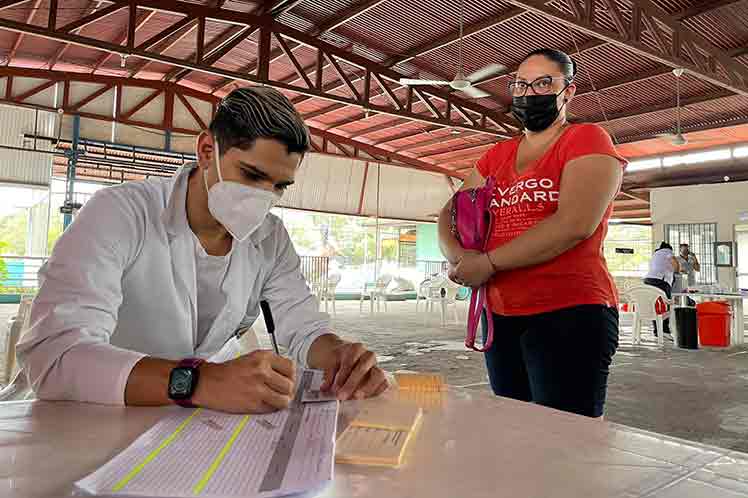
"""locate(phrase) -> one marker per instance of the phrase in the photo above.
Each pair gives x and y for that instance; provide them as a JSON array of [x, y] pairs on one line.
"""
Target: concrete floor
[[696, 395]]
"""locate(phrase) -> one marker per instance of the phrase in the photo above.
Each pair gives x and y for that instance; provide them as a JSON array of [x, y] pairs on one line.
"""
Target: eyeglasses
[[540, 86]]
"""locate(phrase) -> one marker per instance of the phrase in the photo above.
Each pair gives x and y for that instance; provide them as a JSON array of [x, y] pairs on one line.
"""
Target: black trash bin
[[688, 337]]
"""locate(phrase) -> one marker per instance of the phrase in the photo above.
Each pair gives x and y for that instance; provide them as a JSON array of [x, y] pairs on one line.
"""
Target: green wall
[[427, 243]]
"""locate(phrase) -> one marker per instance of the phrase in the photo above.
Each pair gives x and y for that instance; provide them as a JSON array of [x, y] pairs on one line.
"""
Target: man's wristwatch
[[183, 381]]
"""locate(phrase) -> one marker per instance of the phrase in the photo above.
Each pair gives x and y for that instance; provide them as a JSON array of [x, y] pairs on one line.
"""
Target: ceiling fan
[[677, 138], [460, 82]]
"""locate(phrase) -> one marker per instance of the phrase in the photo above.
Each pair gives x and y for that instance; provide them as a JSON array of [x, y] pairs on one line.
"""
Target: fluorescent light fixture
[[740, 152], [643, 164], [687, 158], [697, 157], [620, 221], [703, 157], [672, 161]]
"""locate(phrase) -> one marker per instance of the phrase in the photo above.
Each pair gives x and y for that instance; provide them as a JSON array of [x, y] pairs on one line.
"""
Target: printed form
[[216, 455]]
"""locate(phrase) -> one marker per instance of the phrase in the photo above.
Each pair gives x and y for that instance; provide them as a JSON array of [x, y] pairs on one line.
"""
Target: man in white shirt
[[689, 265], [662, 269], [155, 277]]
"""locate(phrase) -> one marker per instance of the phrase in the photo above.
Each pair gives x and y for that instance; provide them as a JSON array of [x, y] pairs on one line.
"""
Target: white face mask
[[241, 209]]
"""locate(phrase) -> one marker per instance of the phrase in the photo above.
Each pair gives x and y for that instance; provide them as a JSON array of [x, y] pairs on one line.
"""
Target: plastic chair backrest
[[624, 287], [24, 311], [452, 291], [645, 299], [332, 283], [403, 285], [435, 287], [21, 323], [437, 282], [424, 286], [17, 381], [383, 282], [333, 280]]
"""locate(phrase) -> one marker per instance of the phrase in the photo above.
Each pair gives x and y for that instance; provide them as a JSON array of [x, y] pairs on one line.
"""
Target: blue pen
[[269, 324]]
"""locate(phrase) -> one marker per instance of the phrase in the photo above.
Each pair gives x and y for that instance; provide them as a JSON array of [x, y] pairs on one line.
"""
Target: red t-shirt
[[577, 277]]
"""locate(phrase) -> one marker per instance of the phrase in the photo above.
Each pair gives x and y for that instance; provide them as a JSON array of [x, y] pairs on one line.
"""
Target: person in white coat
[[155, 277], [662, 269]]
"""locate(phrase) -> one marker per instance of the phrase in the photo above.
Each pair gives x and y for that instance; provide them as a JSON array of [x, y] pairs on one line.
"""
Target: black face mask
[[536, 112]]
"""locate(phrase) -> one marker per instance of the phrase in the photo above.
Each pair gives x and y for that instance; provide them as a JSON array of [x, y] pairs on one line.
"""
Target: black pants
[[559, 359], [664, 286]]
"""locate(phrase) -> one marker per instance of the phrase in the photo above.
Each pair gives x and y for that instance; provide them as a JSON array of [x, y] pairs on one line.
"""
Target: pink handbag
[[472, 224]]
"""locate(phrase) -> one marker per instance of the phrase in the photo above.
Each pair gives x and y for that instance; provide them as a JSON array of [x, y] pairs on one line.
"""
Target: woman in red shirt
[[553, 301]]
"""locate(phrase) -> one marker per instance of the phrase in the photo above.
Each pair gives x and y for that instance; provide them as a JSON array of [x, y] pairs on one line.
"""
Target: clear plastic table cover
[[471, 444]]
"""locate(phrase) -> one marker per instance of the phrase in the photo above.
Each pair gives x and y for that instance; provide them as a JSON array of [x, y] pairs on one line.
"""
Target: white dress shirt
[[121, 284], [661, 266]]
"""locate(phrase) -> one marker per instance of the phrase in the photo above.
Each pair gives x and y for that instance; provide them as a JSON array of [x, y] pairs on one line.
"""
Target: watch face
[[180, 383]]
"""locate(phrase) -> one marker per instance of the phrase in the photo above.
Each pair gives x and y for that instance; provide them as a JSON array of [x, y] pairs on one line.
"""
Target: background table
[[737, 322], [472, 445]]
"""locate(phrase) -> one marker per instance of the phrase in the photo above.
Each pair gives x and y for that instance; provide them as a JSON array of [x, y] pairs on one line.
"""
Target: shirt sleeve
[[589, 139], [484, 164], [66, 352], [298, 321], [489, 162]]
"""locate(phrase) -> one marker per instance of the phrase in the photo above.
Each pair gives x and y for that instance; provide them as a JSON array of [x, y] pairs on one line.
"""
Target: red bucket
[[714, 323]]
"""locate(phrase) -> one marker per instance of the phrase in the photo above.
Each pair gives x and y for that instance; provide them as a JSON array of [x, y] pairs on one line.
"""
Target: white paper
[[313, 394], [204, 453], [316, 396], [231, 350]]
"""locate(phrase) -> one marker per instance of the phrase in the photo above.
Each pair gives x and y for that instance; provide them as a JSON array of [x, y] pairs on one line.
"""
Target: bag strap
[[472, 326], [477, 305]]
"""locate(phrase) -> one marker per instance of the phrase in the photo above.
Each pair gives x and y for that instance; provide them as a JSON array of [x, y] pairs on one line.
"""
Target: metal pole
[[36, 125], [378, 251], [70, 177]]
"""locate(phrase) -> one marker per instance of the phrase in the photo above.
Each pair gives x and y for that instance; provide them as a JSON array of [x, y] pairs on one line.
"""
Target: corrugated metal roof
[[722, 112], [640, 96], [315, 12], [239, 5], [32, 168], [607, 63], [700, 139], [394, 27], [675, 6], [387, 22], [297, 22], [724, 27]]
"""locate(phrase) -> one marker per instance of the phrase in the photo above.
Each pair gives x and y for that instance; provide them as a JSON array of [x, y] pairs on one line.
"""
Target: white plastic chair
[[19, 323], [376, 292], [18, 388], [645, 301], [626, 318], [443, 292], [423, 291], [328, 294]]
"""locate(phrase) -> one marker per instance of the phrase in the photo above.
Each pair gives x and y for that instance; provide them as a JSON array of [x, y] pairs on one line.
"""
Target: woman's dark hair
[[565, 63], [665, 245]]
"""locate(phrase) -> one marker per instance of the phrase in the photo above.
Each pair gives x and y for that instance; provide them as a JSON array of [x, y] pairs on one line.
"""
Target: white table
[[737, 322], [473, 445]]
